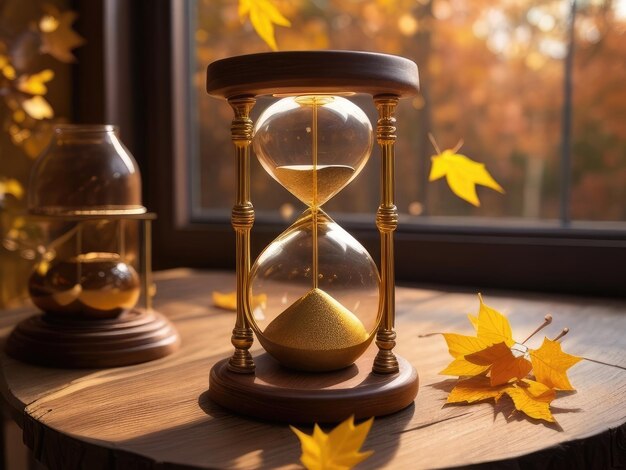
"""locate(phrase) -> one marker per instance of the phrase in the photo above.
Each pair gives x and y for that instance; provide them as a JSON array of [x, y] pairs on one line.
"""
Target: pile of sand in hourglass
[[316, 322]]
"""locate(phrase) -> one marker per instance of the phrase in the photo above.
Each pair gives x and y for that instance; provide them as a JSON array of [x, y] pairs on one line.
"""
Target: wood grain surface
[[158, 415]]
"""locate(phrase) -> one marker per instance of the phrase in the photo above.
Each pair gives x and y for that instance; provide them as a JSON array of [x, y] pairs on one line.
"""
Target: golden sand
[[298, 180], [316, 321]]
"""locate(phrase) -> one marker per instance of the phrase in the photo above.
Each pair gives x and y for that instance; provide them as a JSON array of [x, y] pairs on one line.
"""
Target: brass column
[[386, 221], [242, 220]]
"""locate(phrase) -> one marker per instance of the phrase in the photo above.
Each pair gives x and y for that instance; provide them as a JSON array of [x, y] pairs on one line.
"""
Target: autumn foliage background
[[492, 73]]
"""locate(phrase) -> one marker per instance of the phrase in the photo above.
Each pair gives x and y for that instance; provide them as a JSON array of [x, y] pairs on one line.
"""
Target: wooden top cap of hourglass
[[293, 72]]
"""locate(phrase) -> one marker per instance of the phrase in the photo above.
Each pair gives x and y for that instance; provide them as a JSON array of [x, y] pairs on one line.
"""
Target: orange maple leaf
[[504, 365]]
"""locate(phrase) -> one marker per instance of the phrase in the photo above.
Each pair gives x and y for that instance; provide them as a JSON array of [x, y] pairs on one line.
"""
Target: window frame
[[544, 256]]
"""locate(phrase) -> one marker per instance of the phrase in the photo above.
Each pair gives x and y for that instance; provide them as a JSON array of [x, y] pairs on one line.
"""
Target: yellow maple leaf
[[263, 16], [532, 398], [459, 346], [35, 84], [337, 450], [475, 389], [550, 365], [38, 108], [491, 328], [461, 172], [10, 186], [503, 365], [228, 300]]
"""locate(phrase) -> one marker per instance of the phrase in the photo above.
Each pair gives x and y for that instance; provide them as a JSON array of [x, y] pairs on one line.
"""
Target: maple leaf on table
[[503, 364], [263, 16], [530, 397], [228, 300], [475, 389], [337, 450], [491, 328], [462, 173], [550, 365]]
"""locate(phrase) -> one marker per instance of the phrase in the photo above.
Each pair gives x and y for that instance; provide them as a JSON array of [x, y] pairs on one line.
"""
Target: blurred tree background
[[36, 42], [492, 73]]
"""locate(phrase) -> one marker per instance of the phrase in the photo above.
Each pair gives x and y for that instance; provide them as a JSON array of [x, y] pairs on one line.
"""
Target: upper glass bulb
[[313, 145]]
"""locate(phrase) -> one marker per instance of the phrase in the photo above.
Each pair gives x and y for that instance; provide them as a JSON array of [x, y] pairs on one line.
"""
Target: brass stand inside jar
[[327, 301]]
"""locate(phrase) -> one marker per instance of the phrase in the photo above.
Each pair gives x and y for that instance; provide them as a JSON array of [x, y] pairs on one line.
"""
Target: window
[[496, 74]]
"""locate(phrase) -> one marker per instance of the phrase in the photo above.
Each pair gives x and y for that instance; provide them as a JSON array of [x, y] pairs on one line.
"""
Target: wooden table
[[157, 415]]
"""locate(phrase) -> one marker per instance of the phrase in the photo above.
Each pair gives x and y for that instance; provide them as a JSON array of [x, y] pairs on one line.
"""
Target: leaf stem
[[546, 321], [434, 142], [561, 334], [458, 146]]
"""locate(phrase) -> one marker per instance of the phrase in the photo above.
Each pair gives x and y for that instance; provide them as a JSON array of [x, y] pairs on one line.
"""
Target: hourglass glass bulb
[[313, 145]]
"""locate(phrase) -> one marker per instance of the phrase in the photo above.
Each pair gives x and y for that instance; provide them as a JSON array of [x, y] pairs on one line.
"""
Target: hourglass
[[326, 300]]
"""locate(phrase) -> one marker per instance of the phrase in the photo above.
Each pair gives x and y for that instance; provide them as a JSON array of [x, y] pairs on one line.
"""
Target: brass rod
[[315, 267], [386, 221], [242, 220], [147, 263]]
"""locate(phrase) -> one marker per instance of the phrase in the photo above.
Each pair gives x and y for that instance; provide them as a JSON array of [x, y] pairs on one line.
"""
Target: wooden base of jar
[[275, 393], [134, 337]]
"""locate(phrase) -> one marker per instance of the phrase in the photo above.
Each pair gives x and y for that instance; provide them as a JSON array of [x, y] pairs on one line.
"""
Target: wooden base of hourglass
[[134, 337], [275, 393]]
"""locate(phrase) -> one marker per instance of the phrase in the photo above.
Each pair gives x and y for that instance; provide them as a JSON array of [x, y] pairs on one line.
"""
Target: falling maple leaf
[[550, 364], [57, 36], [337, 450], [263, 16], [461, 172]]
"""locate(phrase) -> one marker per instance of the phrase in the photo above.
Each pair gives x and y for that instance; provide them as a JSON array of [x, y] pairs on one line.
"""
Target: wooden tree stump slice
[[275, 393]]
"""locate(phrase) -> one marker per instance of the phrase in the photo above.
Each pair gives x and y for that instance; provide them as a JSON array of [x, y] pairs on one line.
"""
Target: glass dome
[[85, 170], [328, 326], [313, 141]]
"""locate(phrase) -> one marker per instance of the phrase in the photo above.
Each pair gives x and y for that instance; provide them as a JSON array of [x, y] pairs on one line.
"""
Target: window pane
[[599, 139], [492, 74]]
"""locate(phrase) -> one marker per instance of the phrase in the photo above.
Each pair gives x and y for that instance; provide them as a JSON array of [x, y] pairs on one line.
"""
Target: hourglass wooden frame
[[261, 387]]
